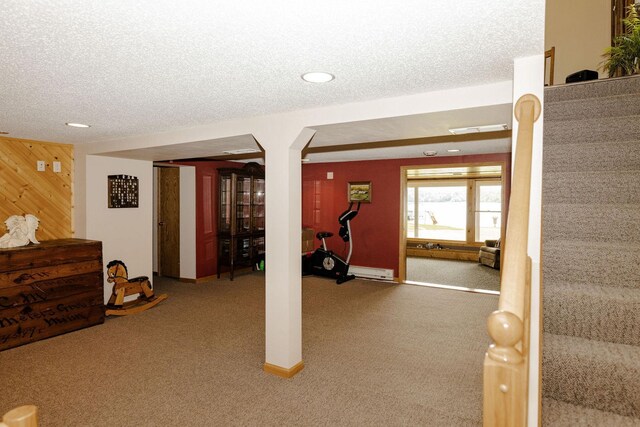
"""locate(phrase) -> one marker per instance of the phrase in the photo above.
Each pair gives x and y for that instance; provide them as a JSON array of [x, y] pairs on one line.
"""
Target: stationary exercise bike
[[324, 262]]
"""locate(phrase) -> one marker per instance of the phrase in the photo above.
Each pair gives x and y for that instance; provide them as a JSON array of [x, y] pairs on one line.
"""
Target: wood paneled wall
[[47, 195]]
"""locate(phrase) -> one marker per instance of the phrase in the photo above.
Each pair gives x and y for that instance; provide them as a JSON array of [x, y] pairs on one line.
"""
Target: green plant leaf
[[624, 55]]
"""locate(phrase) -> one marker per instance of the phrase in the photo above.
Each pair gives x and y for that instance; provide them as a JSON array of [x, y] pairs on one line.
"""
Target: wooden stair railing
[[23, 416], [507, 360]]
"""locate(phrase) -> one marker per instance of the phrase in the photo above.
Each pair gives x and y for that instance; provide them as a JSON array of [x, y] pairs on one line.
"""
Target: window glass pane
[[442, 212], [488, 211], [411, 215]]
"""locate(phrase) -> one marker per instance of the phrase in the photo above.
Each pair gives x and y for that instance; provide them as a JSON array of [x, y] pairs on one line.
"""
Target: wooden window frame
[[471, 185], [476, 205]]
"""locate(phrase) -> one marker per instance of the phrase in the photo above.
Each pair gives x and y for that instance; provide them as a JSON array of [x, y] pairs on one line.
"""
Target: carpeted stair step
[[619, 187], [593, 312], [591, 254], [597, 130], [592, 89], [611, 106], [592, 222], [593, 374], [614, 264], [556, 413], [590, 157]]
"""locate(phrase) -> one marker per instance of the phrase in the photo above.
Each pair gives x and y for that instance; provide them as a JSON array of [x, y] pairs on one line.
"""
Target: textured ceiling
[[146, 66]]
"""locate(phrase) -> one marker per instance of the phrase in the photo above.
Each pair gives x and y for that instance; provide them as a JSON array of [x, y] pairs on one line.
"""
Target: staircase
[[591, 254]]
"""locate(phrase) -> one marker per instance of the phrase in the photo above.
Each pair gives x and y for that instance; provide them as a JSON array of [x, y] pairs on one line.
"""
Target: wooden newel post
[[23, 416], [506, 330], [504, 372]]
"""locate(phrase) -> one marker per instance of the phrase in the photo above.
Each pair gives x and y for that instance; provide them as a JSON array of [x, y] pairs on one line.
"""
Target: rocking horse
[[123, 287]]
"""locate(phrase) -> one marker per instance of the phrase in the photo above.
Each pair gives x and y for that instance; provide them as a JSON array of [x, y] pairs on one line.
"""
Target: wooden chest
[[49, 289]]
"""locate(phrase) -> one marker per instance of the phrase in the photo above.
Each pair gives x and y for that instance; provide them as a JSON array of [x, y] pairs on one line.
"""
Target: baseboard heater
[[371, 273]]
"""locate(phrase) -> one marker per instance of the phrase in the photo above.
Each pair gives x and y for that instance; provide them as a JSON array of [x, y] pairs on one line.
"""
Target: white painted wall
[[528, 77], [126, 234], [580, 30], [187, 222], [79, 192]]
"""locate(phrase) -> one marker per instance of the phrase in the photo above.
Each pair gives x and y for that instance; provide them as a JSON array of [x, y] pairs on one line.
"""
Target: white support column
[[283, 254]]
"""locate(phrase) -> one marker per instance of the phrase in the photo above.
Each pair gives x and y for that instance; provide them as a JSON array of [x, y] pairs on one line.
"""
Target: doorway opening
[[448, 212]]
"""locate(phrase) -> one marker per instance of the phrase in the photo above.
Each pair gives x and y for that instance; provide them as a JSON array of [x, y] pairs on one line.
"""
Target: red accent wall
[[207, 214], [376, 229]]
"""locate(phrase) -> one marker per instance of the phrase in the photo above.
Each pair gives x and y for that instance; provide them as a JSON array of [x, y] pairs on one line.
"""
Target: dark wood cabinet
[[241, 219], [49, 289]]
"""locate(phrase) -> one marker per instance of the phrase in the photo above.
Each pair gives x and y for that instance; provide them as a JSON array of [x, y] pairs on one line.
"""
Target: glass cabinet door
[[243, 204], [224, 251], [258, 204], [241, 218], [243, 250], [258, 247], [224, 224]]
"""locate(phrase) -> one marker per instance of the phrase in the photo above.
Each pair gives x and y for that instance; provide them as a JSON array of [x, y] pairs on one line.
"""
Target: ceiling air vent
[[242, 151], [477, 129]]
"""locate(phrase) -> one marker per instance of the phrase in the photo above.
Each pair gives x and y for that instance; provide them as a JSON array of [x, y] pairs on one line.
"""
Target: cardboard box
[[308, 237]]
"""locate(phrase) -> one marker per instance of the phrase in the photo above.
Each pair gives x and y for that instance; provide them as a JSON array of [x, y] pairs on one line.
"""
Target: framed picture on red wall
[[359, 191]]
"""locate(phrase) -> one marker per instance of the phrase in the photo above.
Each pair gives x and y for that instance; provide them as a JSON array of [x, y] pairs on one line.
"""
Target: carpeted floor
[[374, 353], [467, 274]]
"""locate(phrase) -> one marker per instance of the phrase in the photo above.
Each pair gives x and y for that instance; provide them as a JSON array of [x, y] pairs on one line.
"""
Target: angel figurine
[[22, 230]]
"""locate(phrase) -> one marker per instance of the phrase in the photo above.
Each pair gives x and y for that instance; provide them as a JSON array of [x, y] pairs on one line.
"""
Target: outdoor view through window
[[438, 210], [488, 214]]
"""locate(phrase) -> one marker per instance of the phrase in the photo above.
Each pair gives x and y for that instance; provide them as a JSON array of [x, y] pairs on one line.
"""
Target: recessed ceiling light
[[306, 160], [429, 153], [476, 129], [318, 77], [453, 150], [77, 125]]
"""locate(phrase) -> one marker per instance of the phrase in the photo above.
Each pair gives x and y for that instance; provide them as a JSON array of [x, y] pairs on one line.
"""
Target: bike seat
[[321, 235]]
